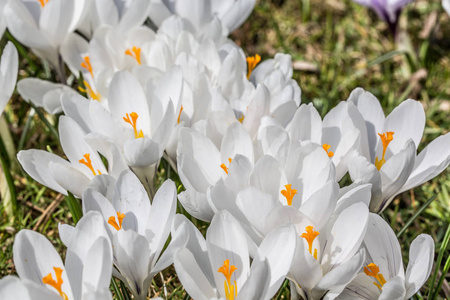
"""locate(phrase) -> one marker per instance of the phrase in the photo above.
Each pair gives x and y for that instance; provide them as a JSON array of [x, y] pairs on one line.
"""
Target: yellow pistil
[[134, 116], [327, 147], [134, 52], [227, 271], [90, 91], [386, 138], [56, 284], [289, 193], [252, 61], [309, 236], [179, 114], [43, 2], [373, 271], [113, 223], [224, 167], [241, 119], [86, 64], [88, 163]]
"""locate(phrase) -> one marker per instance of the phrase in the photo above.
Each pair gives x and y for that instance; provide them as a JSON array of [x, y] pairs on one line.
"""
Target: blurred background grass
[[336, 46]]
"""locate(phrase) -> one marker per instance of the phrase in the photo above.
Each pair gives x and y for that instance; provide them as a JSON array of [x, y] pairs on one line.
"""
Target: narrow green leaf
[[421, 209], [433, 292], [116, 289], [74, 207]]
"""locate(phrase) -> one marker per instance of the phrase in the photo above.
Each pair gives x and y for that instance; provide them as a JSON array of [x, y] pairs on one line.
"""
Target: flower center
[[135, 53], [373, 271], [310, 235], [289, 194], [179, 115], [327, 147], [224, 167], [88, 163], [241, 119], [134, 116], [113, 223], [252, 61], [386, 138], [90, 91], [227, 271], [43, 2], [86, 64], [56, 284]]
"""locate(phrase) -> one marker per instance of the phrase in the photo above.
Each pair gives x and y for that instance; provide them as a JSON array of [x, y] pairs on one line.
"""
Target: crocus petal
[[236, 141], [394, 289], [434, 159], [192, 277], [421, 255], [36, 163], [9, 65], [407, 121], [69, 178], [336, 280], [278, 248], [259, 277], [161, 216]]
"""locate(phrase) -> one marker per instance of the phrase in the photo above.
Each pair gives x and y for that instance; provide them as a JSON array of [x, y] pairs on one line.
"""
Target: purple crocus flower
[[387, 10]]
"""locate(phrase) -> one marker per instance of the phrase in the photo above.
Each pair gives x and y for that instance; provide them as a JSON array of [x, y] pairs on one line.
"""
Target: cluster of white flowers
[[257, 164]]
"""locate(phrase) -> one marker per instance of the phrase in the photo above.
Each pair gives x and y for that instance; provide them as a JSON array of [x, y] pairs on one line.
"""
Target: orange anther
[[135, 52], [289, 194], [252, 61], [134, 116], [88, 163]]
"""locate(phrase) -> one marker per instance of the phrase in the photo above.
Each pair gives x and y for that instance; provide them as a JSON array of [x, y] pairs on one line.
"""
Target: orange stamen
[[224, 167], [373, 271], [113, 223], [252, 61], [241, 119], [386, 138], [56, 284], [179, 114], [289, 194], [310, 236], [90, 91], [43, 2], [326, 147], [134, 116], [88, 163], [86, 63], [227, 271], [135, 52]]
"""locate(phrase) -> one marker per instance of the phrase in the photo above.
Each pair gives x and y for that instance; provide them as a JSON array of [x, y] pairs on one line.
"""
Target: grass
[[336, 46]]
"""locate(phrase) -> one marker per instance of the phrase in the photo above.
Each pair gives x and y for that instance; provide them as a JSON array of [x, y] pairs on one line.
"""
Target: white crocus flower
[[338, 133], [86, 273], [220, 266], [232, 13], [43, 25], [84, 161], [9, 66], [327, 258], [384, 276], [201, 166], [390, 163], [285, 94], [43, 93], [138, 229]]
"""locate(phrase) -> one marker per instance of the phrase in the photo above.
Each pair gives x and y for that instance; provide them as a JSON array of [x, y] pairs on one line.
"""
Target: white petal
[[394, 289], [9, 65], [421, 255]]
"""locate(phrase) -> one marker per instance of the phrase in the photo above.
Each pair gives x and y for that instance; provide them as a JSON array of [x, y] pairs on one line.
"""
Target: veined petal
[[421, 255], [192, 276], [394, 289]]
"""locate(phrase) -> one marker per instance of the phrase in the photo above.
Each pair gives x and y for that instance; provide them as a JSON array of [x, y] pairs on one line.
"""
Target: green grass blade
[[385, 57], [25, 130], [116, 289], [124, 290], [441, 280], [74, 207], [9, 179], [421, 209], [433, 292]]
